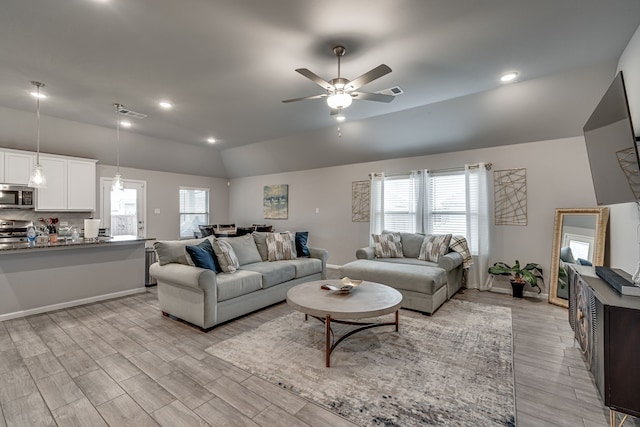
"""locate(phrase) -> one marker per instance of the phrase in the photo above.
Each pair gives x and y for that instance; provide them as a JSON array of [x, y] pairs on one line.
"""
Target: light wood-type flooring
[[120, 362]]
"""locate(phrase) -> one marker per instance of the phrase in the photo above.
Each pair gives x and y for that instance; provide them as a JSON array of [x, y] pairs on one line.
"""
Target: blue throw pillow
[[301, 243], [202, 256], [583, 261]]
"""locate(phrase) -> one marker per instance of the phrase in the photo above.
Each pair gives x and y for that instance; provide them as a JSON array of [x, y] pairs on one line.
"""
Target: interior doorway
[[124, 213]]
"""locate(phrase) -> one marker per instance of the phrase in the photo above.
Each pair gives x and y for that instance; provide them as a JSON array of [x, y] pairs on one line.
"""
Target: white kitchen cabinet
[[81, 185], [54, 196], [18, 167], [71, 184]]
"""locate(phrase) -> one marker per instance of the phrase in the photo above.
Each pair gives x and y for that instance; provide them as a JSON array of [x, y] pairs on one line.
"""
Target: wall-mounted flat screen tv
[[612, 148]]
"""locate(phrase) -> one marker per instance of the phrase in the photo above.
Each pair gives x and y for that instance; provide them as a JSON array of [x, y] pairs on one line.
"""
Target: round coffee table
[[367, 300]]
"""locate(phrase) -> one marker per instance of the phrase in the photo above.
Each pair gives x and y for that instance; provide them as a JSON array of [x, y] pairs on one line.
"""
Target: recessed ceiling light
[[211, 140], [340, 118], [165, 105], [39, 95], [125, 124], [509, 77]]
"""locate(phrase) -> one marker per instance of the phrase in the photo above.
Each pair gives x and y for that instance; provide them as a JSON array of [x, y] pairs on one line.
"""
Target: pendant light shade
[[117, 184], [37, 178]]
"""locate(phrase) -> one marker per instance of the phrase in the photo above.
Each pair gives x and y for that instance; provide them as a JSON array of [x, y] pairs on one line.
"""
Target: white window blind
[[448, 208], [194, 210], [399, 212]]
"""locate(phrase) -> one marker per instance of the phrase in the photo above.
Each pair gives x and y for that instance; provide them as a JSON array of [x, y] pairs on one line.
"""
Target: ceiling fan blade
[[315, 78], [368, 96], [324, 95], [334, 112], [367, 77]]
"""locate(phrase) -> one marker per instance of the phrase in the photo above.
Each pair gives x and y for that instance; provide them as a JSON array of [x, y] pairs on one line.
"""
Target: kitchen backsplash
[[72, 218]]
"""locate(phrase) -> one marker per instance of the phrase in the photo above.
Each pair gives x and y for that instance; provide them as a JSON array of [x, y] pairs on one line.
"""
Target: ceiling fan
[[340, 91]]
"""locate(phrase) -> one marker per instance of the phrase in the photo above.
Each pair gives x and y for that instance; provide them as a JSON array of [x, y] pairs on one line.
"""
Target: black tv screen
[[612, 148]]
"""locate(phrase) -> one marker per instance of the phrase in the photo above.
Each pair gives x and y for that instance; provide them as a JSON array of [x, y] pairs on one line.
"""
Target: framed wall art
[[275, 201]]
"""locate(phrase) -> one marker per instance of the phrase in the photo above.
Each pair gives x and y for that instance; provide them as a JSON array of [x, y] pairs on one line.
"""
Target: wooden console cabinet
[[607, 327]]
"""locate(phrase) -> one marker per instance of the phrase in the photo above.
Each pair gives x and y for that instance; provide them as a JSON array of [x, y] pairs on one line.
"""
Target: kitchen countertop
[[61, 244]]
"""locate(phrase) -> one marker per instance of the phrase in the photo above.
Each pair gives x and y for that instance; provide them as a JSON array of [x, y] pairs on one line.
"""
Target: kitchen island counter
[[54, 276], [62, 244]]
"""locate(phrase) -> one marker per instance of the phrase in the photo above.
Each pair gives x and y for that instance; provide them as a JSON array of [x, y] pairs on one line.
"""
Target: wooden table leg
[[327, 351], [397, 311]]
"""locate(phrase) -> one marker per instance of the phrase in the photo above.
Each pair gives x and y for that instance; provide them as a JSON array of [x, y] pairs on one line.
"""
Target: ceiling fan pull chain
[[339, 132]]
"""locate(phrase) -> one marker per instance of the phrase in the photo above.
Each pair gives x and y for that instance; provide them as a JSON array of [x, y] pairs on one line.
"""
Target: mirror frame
[[602, 216]]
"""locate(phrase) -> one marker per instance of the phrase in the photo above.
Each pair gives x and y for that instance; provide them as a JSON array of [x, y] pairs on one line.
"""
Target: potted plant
[[520, 276]]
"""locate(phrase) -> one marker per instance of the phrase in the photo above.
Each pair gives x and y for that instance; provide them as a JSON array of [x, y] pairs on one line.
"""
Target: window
[[194, 210], [399, 212], [447, 204]]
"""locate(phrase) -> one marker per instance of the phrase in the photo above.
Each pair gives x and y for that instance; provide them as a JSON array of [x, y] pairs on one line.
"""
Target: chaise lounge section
[[424, 285]]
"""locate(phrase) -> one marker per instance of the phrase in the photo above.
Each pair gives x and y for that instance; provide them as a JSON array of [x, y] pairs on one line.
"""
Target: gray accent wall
[[557, 176], [162, 193]]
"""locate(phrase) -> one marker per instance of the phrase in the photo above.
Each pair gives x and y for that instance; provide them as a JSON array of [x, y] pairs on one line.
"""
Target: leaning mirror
[[578, 238]]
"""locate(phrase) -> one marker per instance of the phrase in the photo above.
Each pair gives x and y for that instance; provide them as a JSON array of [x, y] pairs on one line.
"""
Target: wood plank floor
[[120, 362]]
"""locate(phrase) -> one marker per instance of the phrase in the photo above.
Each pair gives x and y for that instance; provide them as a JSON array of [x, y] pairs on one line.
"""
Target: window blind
[[194, 210], [448, 204], [399, 212]]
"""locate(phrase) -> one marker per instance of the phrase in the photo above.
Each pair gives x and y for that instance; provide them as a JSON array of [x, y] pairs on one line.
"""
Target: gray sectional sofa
[[424, 285], [205, 298]]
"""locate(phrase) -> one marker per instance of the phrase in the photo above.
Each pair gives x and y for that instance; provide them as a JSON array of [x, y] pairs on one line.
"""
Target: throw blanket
[[459, 244]]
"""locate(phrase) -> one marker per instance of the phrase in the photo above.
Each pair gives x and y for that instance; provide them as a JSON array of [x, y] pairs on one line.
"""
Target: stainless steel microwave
[[16, 197]]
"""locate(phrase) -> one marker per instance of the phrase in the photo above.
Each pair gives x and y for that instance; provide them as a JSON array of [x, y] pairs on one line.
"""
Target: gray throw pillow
[[173, 251], [281, 246], [226, 256], [261, 244], [434, 246], [245, 249], [387, 245]]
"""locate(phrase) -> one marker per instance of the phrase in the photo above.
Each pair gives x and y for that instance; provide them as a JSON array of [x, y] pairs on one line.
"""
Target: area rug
[[453, 368]]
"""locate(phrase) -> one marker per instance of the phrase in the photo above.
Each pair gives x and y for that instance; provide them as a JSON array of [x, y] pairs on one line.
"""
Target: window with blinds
[[194, 210], [399, 212], [447, 204]]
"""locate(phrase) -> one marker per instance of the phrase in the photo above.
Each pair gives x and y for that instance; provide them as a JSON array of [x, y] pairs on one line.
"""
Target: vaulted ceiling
[[227, 64]]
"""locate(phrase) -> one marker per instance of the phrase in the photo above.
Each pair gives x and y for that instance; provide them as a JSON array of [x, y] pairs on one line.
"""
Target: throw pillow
[[202, 255], [301, 243], [226, 256], [245, 249], [434, 246], [388, 245], [172, 251], [281, 246], [261, 243]]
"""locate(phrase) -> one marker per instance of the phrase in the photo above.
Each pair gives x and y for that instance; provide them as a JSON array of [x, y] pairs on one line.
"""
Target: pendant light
[[117, 185], [37, 178]]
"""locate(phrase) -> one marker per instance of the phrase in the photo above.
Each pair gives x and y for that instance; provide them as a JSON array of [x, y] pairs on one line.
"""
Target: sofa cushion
[[261, 244], [411, 243], [301, 243], [434, 246], [232, 285], [416, 278], [387, 245], [305, 266], [281, 246], [202, 255], [273, 273], [226, 256], [169, 251], [245, 249]]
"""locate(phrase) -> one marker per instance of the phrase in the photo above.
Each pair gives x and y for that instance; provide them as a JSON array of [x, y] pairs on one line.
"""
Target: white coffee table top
[[369, 299]]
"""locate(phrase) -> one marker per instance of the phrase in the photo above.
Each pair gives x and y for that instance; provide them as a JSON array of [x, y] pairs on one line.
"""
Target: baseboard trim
[[39, 310], [525, 293]]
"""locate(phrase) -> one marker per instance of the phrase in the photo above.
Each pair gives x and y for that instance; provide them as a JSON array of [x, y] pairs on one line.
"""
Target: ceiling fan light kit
[[340, 92]]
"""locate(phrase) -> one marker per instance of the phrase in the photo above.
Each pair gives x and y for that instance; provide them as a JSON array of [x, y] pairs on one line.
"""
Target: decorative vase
[[518, 288]]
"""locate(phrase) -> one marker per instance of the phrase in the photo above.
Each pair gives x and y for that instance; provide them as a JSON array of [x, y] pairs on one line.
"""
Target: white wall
[[558, 176], [162, 193], [624, 251]]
